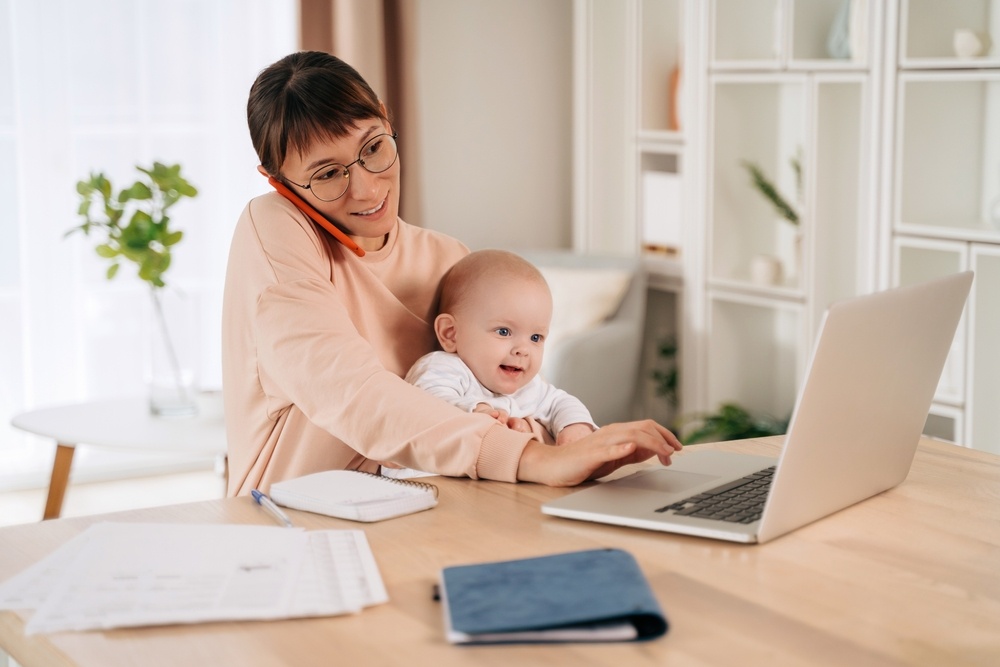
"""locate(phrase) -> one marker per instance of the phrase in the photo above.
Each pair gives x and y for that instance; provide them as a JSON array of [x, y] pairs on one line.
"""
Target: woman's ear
[[263, 173], [444, 327]]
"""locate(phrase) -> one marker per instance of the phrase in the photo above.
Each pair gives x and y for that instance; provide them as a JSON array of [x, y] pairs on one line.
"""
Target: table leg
[[58, 481]]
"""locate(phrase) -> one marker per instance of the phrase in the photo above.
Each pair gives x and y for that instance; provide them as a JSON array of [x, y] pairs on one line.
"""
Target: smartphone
[[315, 216]]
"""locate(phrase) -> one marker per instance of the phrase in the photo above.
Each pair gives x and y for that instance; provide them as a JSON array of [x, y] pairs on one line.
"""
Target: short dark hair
[[303, 97]]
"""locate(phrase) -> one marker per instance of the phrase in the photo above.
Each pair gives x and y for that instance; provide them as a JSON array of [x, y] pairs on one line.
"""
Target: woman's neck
[[371, 244]]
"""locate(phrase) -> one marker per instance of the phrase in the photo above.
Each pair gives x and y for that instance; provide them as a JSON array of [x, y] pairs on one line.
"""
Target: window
[[103, 85]]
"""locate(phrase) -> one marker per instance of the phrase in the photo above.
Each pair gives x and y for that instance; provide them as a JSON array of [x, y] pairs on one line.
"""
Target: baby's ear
[[444, 327]]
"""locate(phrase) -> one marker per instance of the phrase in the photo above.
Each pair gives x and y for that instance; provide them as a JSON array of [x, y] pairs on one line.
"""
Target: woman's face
[[368, 209]]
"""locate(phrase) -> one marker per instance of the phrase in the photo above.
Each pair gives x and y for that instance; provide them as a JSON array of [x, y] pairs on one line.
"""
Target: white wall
[[495, 84]]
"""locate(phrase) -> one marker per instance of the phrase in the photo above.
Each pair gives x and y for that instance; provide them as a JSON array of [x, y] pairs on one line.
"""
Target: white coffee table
[[124, 423]]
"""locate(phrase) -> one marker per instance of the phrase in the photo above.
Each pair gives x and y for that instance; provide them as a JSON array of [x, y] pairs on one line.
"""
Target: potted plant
[[730, 422], [766, 269], [132, 224], [763, 184]]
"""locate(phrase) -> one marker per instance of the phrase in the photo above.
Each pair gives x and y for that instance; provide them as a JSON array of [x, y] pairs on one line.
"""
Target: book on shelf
[[354, 495]]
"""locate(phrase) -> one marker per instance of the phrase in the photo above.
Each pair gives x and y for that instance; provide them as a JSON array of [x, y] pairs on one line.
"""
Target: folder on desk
[[598, 595]]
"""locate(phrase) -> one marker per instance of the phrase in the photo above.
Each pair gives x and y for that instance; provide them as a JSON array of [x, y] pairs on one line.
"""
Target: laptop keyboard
[[739, 501]]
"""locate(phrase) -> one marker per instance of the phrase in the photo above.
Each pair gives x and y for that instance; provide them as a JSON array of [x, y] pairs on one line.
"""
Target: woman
[[318, 332]]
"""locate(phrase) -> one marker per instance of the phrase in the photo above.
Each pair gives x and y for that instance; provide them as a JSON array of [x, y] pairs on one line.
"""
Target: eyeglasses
[[330, 182]]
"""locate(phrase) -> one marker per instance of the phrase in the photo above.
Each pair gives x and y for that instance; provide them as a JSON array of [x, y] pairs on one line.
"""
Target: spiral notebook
[[354, 495]]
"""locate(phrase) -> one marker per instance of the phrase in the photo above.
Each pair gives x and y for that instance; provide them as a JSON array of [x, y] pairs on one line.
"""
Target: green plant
[[770, 192], [665, 379], [731, 422], [133, 223]]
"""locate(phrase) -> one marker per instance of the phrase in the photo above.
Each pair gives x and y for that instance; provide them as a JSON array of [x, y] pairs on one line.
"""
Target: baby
[[493, 318]]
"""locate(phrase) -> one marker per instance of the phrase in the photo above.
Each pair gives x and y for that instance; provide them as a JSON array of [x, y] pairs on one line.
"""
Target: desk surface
[[908, 577]]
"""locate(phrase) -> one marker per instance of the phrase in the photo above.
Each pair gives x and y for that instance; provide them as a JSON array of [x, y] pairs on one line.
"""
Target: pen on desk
[[272, 509]]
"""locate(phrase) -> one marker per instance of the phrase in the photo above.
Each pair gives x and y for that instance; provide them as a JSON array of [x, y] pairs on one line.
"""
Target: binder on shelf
[[354, 495], [661, 211], [597, 595]]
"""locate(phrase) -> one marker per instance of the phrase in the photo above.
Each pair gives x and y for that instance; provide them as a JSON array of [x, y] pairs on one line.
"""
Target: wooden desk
[[911, 577], [118, 424]]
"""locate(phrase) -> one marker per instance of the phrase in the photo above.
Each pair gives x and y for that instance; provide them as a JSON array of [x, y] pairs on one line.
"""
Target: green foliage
[[732, 422], [666, 379], [133, 223], [770, 192]]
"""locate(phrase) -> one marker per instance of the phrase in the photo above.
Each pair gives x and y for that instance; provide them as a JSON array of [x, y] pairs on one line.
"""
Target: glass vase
[[172, 354]]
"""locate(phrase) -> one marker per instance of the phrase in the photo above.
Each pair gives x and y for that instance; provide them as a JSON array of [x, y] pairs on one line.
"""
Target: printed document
[[129, 574]]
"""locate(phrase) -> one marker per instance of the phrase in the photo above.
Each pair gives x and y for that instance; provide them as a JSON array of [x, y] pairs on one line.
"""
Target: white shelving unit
[[780, 98], [897, 145], [942, 158], [633, 192]]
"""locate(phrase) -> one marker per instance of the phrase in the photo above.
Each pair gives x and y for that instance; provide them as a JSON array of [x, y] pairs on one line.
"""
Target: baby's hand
[[487, 409], [573, 432], [518, 424]]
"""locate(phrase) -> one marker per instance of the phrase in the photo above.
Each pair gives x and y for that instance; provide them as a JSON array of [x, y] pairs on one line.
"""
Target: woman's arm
[[596, 455], [315, 343]]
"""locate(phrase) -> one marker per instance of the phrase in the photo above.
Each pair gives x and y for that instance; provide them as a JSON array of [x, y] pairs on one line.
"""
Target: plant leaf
[[770, 192]]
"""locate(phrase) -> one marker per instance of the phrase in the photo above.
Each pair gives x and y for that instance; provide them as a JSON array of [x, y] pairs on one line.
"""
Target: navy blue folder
[[595, 595]]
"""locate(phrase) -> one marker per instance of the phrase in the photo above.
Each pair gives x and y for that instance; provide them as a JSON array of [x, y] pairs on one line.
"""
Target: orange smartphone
[[315, 216]]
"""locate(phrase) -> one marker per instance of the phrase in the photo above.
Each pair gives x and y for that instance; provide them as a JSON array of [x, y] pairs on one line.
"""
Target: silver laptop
[[855, 429]]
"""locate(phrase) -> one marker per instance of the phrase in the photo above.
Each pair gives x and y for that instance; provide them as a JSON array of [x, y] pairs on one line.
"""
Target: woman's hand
[[598, 454]]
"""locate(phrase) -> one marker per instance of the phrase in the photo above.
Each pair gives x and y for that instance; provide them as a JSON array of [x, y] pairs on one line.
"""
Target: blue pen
[[273, 509]]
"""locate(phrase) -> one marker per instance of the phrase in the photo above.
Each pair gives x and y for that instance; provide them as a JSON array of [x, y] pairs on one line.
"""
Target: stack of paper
[[129, 574]]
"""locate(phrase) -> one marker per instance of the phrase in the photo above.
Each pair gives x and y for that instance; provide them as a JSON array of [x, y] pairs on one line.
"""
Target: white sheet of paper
[[124, 575], [29, 588]]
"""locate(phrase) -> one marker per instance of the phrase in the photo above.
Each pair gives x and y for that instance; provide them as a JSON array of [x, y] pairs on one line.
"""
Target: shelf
[[957, 230], [664, 273], [984, 325], [764, 343], [747, 31], [919, 260], [660, 141], [660, 76], [927, 31], [761, 121], [946, 422], [746, 291], [789, 34], [949, 63], [948, 153]]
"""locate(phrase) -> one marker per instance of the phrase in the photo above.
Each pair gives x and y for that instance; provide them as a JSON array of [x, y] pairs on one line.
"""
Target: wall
[[495, 105]]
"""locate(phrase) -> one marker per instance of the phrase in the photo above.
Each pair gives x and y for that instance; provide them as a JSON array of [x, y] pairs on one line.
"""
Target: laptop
[[857, 421]]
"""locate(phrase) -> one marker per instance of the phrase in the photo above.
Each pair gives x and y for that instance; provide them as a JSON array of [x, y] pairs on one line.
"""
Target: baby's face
[[500, 334]]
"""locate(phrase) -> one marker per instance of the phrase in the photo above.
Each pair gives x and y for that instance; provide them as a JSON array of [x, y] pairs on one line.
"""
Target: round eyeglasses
[[330, 182]]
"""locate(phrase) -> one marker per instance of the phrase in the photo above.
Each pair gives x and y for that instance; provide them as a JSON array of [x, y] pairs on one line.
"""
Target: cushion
[[582, 298]]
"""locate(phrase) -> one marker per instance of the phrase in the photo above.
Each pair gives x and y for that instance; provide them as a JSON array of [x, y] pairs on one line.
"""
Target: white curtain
[[104, 85]]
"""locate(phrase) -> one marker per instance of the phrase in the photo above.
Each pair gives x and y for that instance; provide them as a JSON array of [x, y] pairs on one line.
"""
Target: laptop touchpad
[[664, 481]]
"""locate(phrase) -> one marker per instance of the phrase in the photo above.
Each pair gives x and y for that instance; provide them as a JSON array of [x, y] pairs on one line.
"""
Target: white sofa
[[595, 342]]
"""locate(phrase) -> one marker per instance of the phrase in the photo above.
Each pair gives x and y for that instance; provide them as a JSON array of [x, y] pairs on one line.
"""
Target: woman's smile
[[372, 211]]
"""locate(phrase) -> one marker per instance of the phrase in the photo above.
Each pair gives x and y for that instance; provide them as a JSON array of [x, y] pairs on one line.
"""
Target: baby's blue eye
[[503, 331], [536, 338]]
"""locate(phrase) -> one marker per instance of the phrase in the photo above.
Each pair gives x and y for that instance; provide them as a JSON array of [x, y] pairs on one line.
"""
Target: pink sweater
[[315, 344]]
